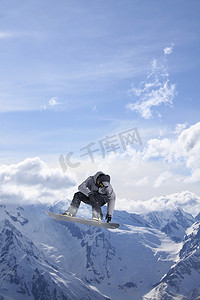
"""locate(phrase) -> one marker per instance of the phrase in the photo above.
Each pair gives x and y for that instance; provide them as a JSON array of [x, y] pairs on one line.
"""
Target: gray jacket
[[89, 185]]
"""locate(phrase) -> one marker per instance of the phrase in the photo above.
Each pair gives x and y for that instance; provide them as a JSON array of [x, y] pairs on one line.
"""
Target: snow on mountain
[[173, 222], [123, 217], [183, 279], [122, 264], [185, 200], [27, 274]]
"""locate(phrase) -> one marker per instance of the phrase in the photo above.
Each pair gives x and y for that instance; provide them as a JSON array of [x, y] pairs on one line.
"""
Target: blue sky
[[74, 72]]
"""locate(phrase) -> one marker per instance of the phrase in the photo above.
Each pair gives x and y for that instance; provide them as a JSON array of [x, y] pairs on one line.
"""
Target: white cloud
[[183, 150], [187, 143], [163, 179], [53, 104], [168, 50], [180, 127], [189, 139], [164, 166], [195, 176], [153, 92], [33, 181], [142, 182], [139, 182], [53, 101], [185, 200]]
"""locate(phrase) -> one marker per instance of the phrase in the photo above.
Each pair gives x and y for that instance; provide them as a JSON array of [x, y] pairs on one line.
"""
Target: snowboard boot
[[97, 215], [71, 212], [96, 219], [67, 213]]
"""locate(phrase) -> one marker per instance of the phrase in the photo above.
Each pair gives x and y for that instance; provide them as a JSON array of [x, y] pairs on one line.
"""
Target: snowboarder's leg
[[74, 206], [97, 214], [96, 207]]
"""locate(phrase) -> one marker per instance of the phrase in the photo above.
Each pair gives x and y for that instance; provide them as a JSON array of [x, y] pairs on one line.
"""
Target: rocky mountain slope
[[25, 273], [123, 264], [183, 279]]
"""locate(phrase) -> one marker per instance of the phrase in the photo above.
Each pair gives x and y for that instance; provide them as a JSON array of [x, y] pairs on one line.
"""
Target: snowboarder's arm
[[110, 195], [111, 204], [84, 187]]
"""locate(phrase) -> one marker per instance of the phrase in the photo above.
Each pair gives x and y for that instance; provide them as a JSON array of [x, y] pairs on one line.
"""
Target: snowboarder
[[96, 191]]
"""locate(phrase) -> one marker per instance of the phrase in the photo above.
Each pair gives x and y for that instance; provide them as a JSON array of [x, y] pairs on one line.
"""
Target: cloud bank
[[188, 201], [141, 178], [32, 181], [183, 151], [165, 166]]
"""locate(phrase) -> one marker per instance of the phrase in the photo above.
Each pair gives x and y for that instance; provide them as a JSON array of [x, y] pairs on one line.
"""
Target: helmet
[[103, 180]]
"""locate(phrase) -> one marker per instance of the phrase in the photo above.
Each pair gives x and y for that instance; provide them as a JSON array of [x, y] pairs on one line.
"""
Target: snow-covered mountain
[[172, 222], [27, 274], [183, 279], [123, 264]]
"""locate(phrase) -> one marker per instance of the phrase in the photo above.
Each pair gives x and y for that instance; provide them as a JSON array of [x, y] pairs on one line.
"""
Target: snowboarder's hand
[[108, 218]]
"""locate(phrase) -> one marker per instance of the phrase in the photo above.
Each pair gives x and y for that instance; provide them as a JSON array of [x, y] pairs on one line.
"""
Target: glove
[[108, 218]]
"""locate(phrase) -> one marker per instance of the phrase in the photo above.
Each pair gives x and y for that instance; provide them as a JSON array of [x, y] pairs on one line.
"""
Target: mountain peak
[[173, 222]]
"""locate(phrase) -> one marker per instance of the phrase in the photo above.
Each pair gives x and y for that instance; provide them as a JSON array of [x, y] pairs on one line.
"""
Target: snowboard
[[82, 221]]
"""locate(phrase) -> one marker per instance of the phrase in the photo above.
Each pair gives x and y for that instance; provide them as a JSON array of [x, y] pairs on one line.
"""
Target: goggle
[[102, 185]]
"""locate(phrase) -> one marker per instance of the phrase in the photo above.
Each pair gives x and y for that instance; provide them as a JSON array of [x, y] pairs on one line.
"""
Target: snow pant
[[99, 201]]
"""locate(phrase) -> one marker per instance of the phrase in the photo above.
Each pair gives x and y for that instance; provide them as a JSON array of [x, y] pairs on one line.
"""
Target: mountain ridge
[[114, 262]]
